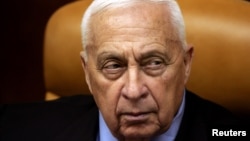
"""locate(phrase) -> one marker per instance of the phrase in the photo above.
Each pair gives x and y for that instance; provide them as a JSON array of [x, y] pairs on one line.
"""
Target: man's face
[[136, 69]]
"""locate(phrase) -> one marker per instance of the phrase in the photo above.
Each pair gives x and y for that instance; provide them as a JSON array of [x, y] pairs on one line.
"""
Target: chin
[[139, 132]]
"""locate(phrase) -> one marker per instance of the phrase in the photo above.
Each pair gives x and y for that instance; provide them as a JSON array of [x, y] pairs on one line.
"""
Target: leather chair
[[218, 29]]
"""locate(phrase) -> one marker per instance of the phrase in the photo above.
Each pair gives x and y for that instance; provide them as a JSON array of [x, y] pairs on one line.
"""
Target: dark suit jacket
[[76, 119]]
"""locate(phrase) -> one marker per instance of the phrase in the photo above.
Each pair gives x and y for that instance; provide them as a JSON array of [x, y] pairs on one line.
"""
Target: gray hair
[[99, 5]]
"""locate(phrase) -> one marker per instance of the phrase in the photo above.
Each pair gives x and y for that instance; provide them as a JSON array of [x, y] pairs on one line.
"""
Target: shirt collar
[[171, 133], [105, 134]]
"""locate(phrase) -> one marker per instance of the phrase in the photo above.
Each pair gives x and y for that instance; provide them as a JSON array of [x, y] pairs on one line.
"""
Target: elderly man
[[136, 63]]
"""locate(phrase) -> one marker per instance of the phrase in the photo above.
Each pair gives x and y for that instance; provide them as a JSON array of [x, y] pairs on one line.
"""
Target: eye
[[154, 66], [113, 69]]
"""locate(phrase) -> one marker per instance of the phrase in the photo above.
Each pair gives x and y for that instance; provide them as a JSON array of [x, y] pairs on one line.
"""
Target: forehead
[[143, 15], [140, 21]]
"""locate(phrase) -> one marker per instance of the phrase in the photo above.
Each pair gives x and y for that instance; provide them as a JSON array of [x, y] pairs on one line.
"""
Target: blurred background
[[23, 23]]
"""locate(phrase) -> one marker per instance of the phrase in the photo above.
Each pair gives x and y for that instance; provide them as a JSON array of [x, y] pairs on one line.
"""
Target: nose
[[134, 88]]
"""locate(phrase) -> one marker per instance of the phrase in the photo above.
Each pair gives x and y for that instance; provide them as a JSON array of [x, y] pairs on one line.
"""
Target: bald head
[[98, 7]]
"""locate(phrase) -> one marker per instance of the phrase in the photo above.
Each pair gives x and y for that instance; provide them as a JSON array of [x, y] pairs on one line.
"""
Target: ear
[[85, 68], [188, 57]]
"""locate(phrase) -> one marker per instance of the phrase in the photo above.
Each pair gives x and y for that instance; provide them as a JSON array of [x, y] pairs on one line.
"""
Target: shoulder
[[205, 109], [201, 116], [61, 106], [46, 120]]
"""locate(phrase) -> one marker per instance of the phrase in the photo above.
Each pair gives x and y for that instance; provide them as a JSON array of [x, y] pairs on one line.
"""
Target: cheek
[[106, 94], [167, 91]]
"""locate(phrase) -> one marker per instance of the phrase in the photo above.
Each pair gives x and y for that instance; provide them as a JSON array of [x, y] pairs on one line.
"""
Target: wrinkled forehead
[[146, 15], [143, 12]]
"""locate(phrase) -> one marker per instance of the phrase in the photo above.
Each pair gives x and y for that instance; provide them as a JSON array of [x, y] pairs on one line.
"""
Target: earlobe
[[85, 68], [189, 53], [83, 59]]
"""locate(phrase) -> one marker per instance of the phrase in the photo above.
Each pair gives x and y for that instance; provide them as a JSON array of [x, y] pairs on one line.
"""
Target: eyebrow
[[109, 55], [155, 53], [118, 56]]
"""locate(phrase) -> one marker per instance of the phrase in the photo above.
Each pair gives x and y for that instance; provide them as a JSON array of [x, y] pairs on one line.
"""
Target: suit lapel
[[192, 126]]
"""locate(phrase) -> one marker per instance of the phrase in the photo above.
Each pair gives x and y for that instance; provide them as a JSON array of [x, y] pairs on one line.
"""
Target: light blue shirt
[[105, 134]]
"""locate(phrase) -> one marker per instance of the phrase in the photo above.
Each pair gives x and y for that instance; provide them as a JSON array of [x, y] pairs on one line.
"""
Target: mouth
[[135, 118]]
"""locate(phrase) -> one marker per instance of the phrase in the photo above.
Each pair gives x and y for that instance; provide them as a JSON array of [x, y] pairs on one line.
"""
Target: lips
[[135, 118]]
